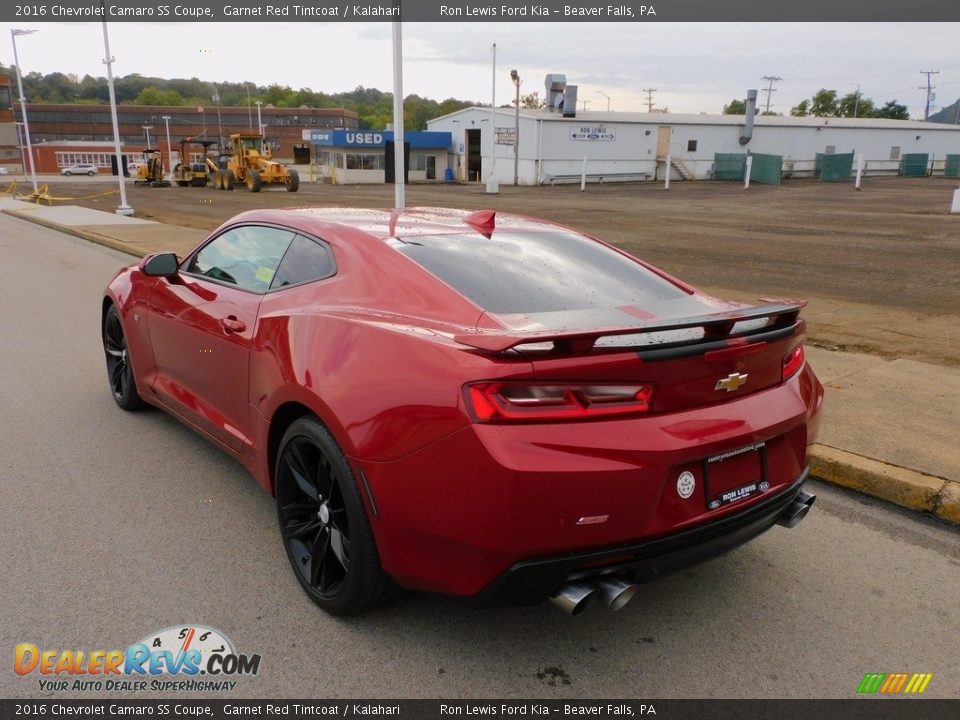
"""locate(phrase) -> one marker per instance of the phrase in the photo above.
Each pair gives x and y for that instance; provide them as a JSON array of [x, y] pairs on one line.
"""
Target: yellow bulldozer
[[195, 174], [150, 171], [253, 165]]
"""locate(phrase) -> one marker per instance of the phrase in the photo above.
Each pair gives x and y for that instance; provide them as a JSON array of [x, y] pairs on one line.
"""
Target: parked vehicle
[[80, 169], [487, 406]]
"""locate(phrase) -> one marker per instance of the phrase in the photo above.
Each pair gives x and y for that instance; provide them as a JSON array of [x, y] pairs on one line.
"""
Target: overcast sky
[[694, 67]]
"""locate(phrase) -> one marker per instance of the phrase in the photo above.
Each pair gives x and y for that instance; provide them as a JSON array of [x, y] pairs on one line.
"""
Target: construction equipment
[[195, 174], [252, 164], [150, 171]]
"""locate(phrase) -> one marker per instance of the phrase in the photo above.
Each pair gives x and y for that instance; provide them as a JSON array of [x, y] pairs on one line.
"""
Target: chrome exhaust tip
[[573, 598], [615, 593]]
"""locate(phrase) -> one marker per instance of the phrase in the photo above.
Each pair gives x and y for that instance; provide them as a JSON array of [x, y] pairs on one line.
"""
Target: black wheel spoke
[[296, 511], [318, 559], [298, 468], [341, 548], [299, 529], [117, 377]]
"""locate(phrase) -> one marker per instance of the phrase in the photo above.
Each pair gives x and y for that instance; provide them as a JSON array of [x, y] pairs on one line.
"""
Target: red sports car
[[492, 407]]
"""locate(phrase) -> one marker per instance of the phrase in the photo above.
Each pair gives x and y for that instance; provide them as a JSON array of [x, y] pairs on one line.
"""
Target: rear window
[[531, 272]]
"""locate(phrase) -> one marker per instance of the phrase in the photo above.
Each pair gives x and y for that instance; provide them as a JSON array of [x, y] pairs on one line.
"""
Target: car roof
[[382, 224]]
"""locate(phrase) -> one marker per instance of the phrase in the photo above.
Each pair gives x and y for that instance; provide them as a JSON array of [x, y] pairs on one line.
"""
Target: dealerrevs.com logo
[[177, 658]]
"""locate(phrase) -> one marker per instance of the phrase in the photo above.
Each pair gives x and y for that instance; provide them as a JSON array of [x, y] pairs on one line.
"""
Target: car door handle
[[232, 325]]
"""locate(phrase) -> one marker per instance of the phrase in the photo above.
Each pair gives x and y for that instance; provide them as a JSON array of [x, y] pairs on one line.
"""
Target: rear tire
[[253, 180], [91, 173], [293, 180], [228, 179], [323, 523]]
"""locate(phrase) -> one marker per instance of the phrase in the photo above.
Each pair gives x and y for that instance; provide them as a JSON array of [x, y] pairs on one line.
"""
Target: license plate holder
[[735, 475]]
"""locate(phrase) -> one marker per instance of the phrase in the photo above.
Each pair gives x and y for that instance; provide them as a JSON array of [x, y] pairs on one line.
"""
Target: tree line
[[374, 107], [828, 103]]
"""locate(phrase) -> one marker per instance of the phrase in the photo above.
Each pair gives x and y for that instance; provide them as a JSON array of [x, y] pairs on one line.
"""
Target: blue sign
[[377, 138]]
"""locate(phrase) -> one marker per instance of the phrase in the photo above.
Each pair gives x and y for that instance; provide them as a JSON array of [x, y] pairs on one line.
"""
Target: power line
[[649, 92], [771, 79], [929, 88]]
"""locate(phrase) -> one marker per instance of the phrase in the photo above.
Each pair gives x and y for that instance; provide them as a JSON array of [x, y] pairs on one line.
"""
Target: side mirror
[[162, 264]]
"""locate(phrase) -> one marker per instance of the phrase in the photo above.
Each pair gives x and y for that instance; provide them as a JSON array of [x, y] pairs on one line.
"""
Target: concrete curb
[[93, 237], [900, 486]]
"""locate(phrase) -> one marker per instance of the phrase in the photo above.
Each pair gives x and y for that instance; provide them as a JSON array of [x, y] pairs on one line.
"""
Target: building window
[[831, 149], [364, 161], [895, 152], [418, 163], [691, 145]]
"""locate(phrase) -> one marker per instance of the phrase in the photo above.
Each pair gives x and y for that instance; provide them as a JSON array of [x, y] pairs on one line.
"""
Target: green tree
[[854, 105], [735, 107], [532, 101], [801, 109], [153, 96], [894, 111], [824, 103]]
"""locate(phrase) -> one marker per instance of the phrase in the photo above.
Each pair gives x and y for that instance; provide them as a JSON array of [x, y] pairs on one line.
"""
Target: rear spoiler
[[715, 327]]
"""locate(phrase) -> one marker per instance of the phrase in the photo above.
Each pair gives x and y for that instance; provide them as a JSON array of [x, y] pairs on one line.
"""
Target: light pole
[[601, 92], [216, 99], [23, 104], [123, 208], [856, 101], [515, 76], [259, 121], [166, 121], [147, 129]]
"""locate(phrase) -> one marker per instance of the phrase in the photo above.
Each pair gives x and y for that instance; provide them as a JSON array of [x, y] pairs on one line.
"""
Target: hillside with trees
[[827, 103], [374, 107]]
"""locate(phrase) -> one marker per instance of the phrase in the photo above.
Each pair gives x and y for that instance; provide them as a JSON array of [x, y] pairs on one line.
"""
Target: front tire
[[123, 385], [323, 523]]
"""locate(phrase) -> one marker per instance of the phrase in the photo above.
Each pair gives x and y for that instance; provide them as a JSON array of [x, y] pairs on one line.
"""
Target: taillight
[[519, 401], [792, 362]]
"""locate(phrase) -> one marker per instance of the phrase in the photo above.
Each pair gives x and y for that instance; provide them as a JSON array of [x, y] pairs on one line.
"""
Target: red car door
[[202, 324]]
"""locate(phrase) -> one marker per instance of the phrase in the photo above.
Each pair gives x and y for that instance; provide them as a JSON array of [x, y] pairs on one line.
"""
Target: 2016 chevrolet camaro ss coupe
[[491, 407]]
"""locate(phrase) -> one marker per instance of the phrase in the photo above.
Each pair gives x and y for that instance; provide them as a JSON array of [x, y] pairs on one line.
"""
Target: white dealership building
[[557, 145]]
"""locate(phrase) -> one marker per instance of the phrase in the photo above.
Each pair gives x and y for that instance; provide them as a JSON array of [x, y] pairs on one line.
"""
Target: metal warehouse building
[[555, 145]]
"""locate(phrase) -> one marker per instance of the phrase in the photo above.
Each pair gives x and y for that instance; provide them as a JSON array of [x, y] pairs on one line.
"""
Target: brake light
[[519, 401], [792, 362]]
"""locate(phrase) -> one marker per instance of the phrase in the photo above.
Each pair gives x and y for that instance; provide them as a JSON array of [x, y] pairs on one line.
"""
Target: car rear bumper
[[530, 582]]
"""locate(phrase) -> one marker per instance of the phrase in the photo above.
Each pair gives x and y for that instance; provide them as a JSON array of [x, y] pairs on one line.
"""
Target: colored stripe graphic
[[894, 683]]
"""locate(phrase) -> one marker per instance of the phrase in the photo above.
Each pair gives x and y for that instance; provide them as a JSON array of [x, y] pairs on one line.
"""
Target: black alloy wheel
[[123, 386], [323, 523]]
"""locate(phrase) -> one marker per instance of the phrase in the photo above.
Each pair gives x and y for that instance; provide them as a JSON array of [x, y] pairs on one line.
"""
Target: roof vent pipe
[[747, 133]]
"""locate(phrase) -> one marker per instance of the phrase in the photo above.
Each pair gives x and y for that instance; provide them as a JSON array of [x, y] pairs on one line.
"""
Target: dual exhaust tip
[[575, 597]]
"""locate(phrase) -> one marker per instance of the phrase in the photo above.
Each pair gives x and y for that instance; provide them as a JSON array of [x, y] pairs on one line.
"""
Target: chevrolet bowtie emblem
[[731, 382]]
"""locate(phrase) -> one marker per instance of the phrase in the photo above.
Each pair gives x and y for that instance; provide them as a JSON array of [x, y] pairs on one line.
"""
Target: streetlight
[[123, 208], [601, 92], [216, 99], [515, 76], [23, 103], [166, 121], [259, 121], [147, 129]]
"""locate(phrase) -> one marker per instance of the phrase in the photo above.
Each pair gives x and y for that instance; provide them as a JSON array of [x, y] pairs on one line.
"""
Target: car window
[[246, 256], [305, 260], [529, 272]]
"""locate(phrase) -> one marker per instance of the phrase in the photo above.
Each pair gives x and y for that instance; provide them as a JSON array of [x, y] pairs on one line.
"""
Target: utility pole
[[929, 88], [769, 90], [856, 101], [649, 92]]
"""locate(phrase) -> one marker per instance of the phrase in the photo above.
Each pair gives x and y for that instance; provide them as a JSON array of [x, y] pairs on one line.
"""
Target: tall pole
[[259, 121], [516, 130], [249, 107], [493, 115], [123, 208], [399, 171], [929, 88], [601, 92], [146, 130], [856, 103], [166, 121], [23, 104], [771, 79], [649, 92]]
